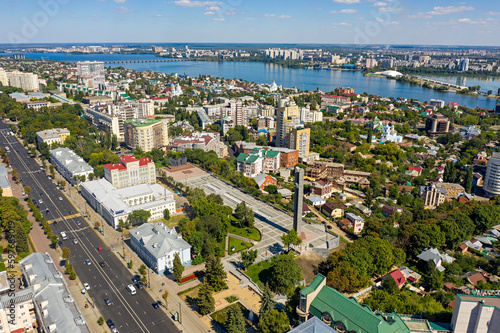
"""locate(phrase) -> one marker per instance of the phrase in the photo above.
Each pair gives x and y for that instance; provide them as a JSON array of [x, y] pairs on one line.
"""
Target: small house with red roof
[[398, 277], [417, 170], [130, 171]]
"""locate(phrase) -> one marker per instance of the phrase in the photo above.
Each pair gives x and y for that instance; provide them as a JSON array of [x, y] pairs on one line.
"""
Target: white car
[[75, 241], [83, 291], [60, 199], [40, 201], [86, 285]]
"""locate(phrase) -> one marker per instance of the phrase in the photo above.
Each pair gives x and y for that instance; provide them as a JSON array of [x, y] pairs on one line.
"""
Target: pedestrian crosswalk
[[66, 217]]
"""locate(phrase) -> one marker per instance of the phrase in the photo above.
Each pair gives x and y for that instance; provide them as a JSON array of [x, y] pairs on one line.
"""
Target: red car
[[99, 248]]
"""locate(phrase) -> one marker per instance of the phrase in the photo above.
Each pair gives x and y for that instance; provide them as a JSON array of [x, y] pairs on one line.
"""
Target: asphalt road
[[130, 313]]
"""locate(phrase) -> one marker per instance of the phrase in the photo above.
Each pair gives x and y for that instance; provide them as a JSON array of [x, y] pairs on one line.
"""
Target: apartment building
[[258, 161], [146, 133], [299, 139], [25, 81], [70, 165], [207, 141]]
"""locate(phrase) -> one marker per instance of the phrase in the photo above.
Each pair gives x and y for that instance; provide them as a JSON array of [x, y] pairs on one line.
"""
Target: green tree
[[206, 302], [72, 275], [266, 302], [271, 189], [248, 258], [21, 238], [178, 268], [166, 214], [390, 285], [244, 214], [292, 238], [285, 274], [139, 216], [468, 180], [235, 322], [66, 252], [27, 190], [100, 321], [274, 321], [215, 274]]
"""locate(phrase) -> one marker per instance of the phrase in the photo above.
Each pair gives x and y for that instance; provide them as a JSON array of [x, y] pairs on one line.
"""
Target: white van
[[131, 289], [63, 235]]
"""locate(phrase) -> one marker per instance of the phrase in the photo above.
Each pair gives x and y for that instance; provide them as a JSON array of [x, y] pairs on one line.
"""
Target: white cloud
[[230, 13], [219, 20], [343, 24], [380, 4], [213, 9], [347, 1], [284, 16], [123, 10], [157, 15], [269, 15], [344, 11], [250, 19], [389, 9], [195, 4], [449, 10], [209, 13], [120, 1], [492, 13]]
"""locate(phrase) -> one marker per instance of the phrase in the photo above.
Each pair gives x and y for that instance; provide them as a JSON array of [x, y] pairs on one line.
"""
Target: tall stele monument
[[298, 199]]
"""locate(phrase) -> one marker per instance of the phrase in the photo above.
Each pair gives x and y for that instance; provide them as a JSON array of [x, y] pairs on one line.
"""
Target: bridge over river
[[142, 61]]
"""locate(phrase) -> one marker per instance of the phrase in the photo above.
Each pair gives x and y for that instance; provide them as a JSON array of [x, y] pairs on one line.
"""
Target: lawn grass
[[220, 316], [260, 272], [252, 233], [174, 220], [238, 244]]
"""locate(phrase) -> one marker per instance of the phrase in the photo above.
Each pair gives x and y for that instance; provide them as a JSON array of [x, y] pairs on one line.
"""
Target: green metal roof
[[441, 327], [353, 315], [141, 122], [318, 279], [251, 159], [241, 157]]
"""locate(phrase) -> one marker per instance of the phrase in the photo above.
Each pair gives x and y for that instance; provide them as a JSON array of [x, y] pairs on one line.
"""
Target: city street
[[130, 313]]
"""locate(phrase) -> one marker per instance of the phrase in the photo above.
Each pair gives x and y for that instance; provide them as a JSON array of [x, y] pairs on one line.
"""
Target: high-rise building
[[437, 124], [463, 65], [299, 139], [288, 118], [492, 179], [91, 74], [146, 133], [25, 81], [146, 109], [298, 199], [4, 80]]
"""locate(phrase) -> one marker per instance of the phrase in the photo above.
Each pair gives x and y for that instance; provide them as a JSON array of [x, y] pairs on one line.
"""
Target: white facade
[[25, 81], [130, 171], [91, 73], [156, 244], [146, 109], [70, 164], [492, 179], [55, 135], [4, 80], [105, 122], [21, 304], [116, 204]]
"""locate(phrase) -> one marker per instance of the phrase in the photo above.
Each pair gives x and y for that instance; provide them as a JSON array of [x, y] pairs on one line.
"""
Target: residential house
[[391, 210], [410, 274], [398, 277], [432, 195], [316, 200], [264, 180], [257, 161], [50, 136], [358, 222], [414, 171], [322, 187], [332, 210], [432, 254], [452, 190]]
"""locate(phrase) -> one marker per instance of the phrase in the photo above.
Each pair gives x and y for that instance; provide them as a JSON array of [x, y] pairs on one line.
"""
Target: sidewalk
[[159, 283], [42, 244]]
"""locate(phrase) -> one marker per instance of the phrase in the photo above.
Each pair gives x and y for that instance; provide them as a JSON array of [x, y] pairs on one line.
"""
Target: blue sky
[[251, 21]]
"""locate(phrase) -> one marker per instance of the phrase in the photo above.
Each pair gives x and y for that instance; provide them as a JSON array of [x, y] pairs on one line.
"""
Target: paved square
[[272, 222]]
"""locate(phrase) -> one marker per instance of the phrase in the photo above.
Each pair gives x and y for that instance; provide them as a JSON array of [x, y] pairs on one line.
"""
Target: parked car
[[88, 262], [155, 305], [136, 278], [110, 323], [107, 301], [86, 286]]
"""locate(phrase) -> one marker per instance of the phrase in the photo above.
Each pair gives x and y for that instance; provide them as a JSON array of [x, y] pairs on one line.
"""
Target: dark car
[[107, 301], [102, 264], [136, 279], [110, 323], [155, 305], [139, 285]]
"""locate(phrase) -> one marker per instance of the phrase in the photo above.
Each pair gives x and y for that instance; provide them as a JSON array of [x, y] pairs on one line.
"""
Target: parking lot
[[272, 222]]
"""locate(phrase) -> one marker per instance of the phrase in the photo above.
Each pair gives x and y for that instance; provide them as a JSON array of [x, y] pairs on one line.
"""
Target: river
[[287, 77]]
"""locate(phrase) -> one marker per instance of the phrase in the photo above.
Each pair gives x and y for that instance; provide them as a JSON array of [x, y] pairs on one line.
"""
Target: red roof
[[417, 169], [117, 166], [398, 277], [332, 96], [128, 159], [159, 98], [144, 161]]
